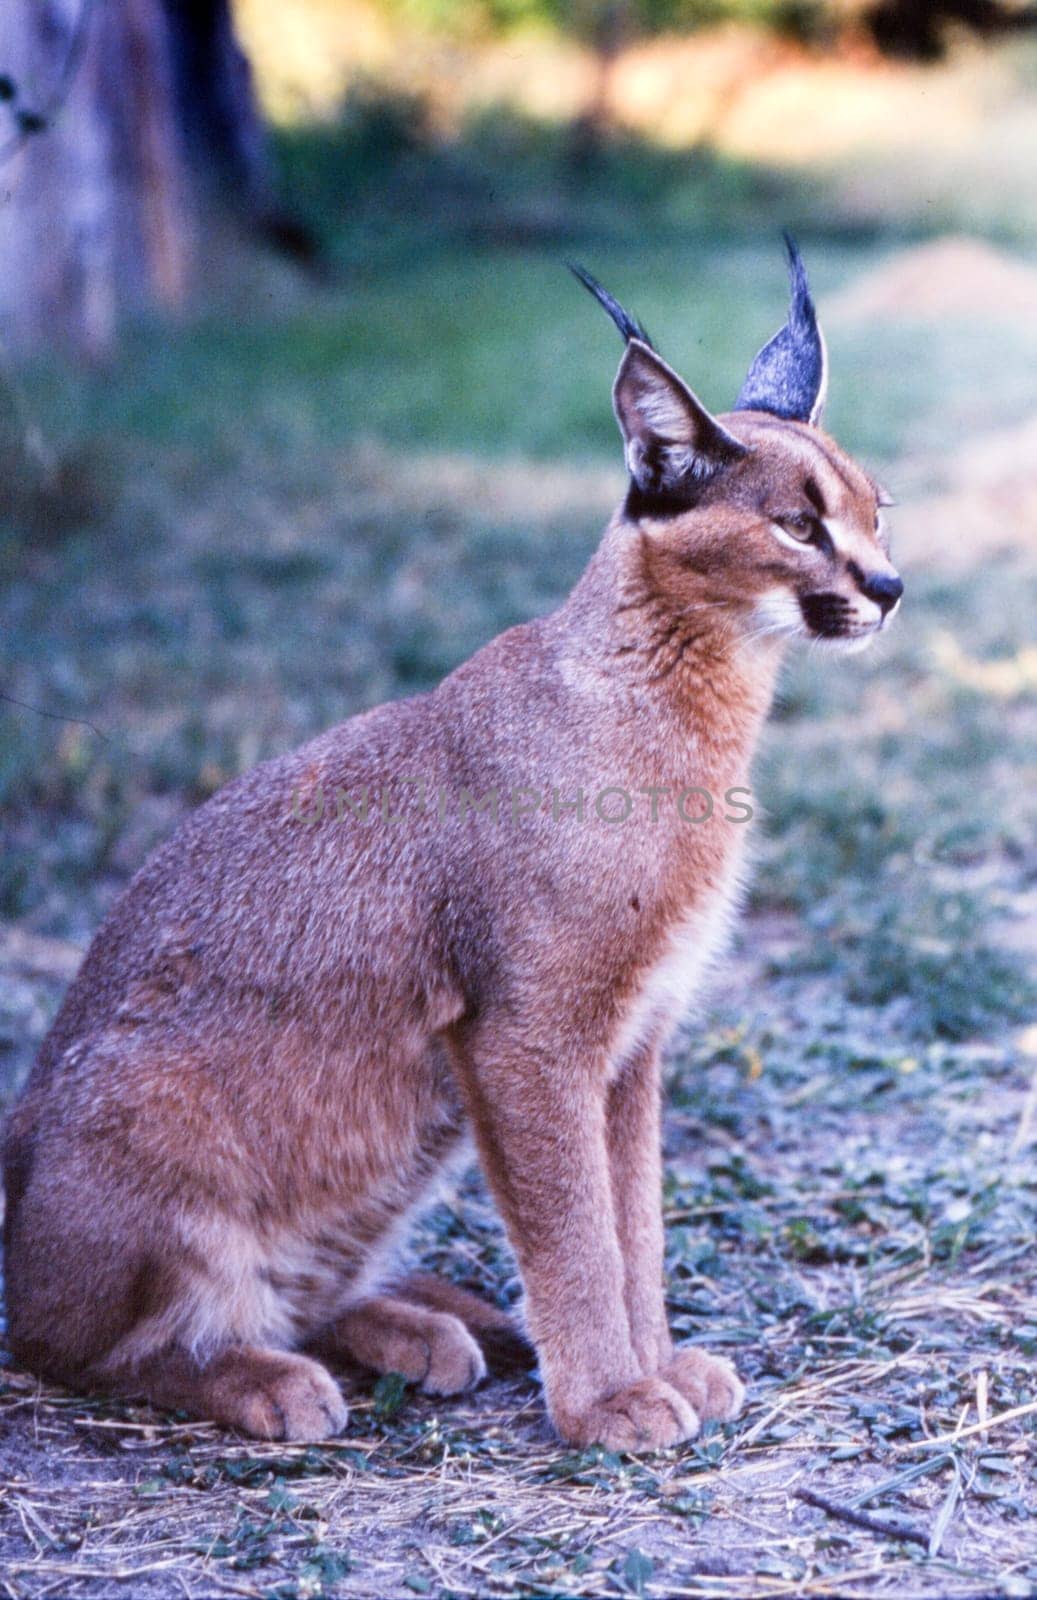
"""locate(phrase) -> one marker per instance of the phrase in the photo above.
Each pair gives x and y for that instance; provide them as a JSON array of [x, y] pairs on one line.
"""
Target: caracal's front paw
[[710, 1385], [650, 1414], [281, 1397]]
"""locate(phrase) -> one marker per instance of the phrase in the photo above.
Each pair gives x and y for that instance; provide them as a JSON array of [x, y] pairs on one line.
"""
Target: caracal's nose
[[884, 588]]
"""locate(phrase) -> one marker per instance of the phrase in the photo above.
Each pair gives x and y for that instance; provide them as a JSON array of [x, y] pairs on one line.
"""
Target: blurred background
[[298, 406]]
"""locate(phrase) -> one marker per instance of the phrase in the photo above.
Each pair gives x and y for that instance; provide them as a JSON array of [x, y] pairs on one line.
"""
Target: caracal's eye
[[799, 525]]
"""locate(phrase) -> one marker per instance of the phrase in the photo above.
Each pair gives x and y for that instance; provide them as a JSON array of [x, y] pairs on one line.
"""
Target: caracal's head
[[757, 514]]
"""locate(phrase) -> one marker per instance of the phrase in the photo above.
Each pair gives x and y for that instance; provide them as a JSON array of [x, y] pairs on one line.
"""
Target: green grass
[[850, 1224], [498, 350], [260, 542]]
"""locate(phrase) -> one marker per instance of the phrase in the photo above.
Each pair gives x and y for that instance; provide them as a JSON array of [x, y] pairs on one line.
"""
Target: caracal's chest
[[669, 984]]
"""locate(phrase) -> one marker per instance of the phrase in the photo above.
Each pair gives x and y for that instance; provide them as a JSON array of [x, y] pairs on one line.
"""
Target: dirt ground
[[897, 1390]]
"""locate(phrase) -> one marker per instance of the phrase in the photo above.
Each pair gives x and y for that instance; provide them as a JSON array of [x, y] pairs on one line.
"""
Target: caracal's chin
[[848, 644]]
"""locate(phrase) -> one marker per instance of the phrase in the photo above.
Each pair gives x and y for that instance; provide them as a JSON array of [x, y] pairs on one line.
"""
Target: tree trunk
[[123, 120], [921, 30], [96, 216], [605, 28], [223, 134]]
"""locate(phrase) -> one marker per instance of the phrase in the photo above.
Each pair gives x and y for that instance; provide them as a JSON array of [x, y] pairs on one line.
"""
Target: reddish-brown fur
[[287, 1028]]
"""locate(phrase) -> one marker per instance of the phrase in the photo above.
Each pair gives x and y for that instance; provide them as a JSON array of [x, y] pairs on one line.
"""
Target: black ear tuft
[[790, 374], [628, 326]]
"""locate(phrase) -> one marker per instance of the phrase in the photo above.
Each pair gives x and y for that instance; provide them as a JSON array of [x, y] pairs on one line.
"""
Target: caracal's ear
[[672, 442], [789, 377]]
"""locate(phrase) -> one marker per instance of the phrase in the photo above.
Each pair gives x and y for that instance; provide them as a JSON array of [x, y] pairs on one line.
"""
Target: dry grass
[[863, 1248]]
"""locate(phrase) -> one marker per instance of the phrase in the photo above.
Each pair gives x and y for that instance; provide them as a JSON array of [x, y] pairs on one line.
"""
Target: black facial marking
[[821, 539], [814, 495], [670, 500], [825, 614]]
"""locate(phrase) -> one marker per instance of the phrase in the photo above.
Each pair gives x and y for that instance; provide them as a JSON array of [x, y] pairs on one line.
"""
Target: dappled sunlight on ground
[[748, 94], [765, 99]]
